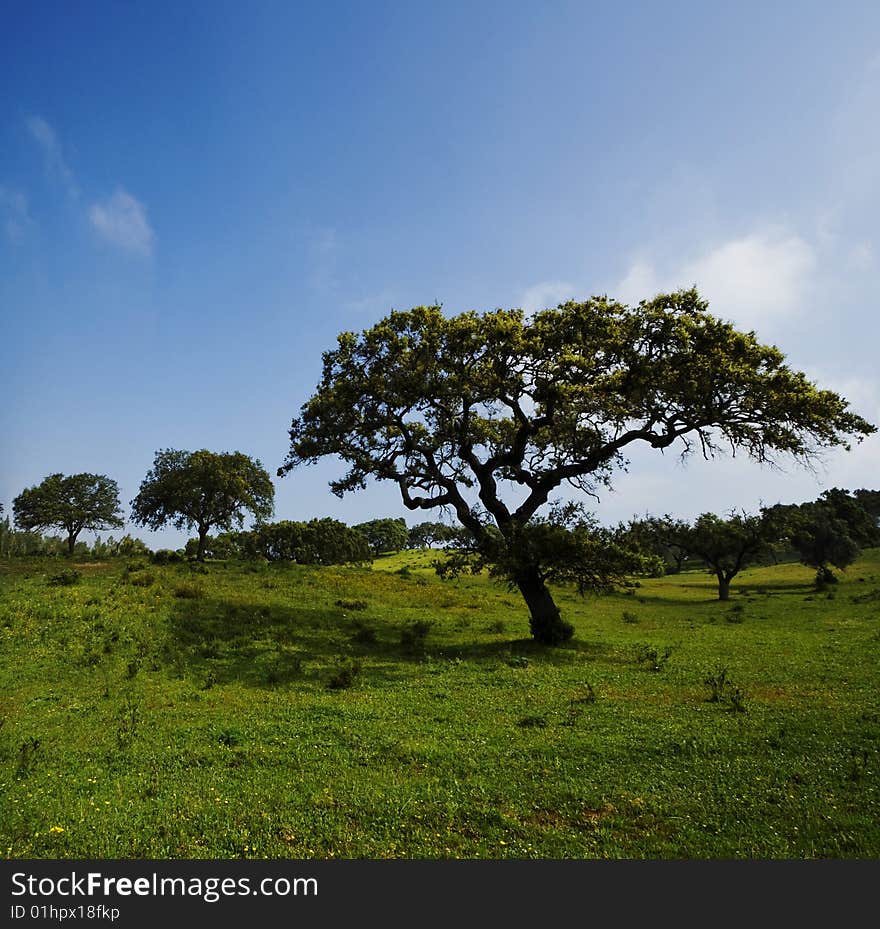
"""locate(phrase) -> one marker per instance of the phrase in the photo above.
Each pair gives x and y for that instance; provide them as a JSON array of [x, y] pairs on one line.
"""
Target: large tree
[[489, 414], [72, 503], [204, 490]]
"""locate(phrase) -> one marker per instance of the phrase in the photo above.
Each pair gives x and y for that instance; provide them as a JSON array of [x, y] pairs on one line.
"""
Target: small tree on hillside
[[822, 540], [72, 503], [203, 490], [657, 535], [428, 534], [726, 546], [384, 535], [571, 546]]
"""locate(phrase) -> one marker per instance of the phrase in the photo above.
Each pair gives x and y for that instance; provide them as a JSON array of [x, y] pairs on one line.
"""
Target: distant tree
[[822, 540], [384, 535], [204, 490], [72, 503], [319, 541], [726, 546], [488, 414], [861, 523], [429, 534], [870, 502], [657, 535], [129, 546]]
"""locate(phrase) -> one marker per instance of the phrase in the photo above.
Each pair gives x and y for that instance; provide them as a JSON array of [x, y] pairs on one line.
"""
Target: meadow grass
[[279, 711]]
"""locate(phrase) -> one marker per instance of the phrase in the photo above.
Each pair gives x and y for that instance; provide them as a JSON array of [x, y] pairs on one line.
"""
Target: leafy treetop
[[73, 503], [458, 410], [203, 489]]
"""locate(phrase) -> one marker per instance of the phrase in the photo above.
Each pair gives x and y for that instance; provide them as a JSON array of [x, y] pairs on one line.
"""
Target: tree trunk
[[723, 587], [546, 624], [203, 535], [71, 543]]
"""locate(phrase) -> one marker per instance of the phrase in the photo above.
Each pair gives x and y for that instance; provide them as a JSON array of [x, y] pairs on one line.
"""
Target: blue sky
[[196, 198]]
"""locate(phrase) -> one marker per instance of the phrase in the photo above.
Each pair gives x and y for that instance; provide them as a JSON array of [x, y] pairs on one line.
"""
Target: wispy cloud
[[53, 154], [14, 213], [547, 294], [122, 221], [757, 280]]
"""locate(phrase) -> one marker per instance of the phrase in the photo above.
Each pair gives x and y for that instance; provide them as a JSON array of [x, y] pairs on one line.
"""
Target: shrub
[[352, 604], [142, 580], [166, 556], [648, 656], [518, 661], [230, 736], [716, 681], [723, 690], [188, 591], [629, 617], [65, 578], [346, 676]]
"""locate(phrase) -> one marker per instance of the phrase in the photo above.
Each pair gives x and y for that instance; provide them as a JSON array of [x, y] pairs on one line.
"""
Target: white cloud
[[755, 281], [122, 221], [547, 294], [14, 213], [47, 138]]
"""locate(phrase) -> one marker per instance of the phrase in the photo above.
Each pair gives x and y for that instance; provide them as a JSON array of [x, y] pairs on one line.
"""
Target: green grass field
[[287, 712]]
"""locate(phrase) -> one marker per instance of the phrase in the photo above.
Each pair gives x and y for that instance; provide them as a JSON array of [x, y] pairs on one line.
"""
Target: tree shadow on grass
[[215, 642]]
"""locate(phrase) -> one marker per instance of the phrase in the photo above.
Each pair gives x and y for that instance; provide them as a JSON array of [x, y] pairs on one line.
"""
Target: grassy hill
[[288, 712]]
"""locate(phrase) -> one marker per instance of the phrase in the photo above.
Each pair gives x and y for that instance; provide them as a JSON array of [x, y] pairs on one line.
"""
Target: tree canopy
[[728, 545], [72, 503], [384, 535], [489, 414], [829, 531], [204, 490]]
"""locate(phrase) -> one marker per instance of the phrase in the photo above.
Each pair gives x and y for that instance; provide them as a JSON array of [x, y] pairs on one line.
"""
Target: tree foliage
[[384, 535], [489, 414], [319, 541], [727, 546], [429, 533], [204, 490], [662, 536], [72, 503], [832, 530]]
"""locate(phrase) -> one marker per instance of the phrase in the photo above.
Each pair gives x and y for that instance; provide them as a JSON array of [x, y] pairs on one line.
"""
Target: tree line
[[487, 416]]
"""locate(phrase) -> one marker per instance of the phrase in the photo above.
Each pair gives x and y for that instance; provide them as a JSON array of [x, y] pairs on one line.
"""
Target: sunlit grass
[[140, 721]]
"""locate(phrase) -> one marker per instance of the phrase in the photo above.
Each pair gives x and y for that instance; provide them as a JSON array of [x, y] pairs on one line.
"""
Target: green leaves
[[203, 489], [487, 414], [73, 503], [439, 404]]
